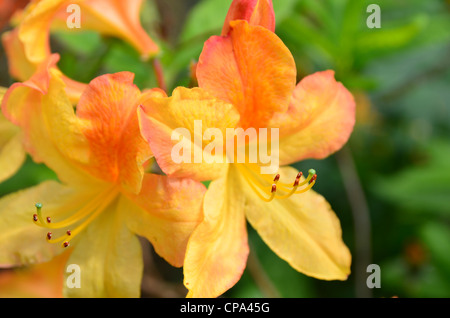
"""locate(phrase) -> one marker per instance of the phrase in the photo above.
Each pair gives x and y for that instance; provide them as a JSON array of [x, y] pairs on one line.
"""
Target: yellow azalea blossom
[[105, 197], [12, 153], [27, 46], [247, 79]]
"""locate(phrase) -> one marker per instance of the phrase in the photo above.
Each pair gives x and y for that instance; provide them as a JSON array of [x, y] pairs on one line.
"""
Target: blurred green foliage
[[400, 76]]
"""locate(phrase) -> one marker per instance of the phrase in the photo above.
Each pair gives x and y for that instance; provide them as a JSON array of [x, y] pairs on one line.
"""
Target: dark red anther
[[49, 235], [35, 217], [66, 244], [297, 181], [314, 178], [69, 233], [274, 188], [299, 175], [277, 178], [49, 220]]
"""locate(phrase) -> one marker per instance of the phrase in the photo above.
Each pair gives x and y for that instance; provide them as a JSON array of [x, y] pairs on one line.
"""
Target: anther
[[49, 235], [274, 188], [49, 219], [277, 178], [69, 233], [66, 244], [35, 217], [314, 178]]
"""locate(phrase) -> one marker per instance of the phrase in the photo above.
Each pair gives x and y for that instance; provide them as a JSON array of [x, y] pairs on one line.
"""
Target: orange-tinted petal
[[121, 19], [255, 12], [183, 119], [319, 120], [217, 250], [252, 69], [117, 149], [302, 229], [43, 280], [166, 212]]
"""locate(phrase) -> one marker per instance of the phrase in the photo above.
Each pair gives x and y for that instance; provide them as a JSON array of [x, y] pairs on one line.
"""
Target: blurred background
[[389, 186]]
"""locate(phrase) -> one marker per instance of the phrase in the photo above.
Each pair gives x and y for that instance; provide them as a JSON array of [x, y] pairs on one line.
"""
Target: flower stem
[[361, 220], [157, 67]]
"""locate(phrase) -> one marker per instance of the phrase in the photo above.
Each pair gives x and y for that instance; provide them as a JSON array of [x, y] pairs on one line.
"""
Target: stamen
[[88, 212], [257, 180]]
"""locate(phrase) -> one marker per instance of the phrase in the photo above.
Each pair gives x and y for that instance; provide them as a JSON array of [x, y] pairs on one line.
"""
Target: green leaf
[[421, 188]]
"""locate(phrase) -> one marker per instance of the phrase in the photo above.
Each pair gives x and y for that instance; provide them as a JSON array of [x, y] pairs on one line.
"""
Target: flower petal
[[187, 114], [22, 241], [302, 229], [43, 280], [255, 12], [110, 258], [166, 212], [252, 69], [217, 250], [52, 132], [121, 19], [12, 153], [319, 120], [118, 151]]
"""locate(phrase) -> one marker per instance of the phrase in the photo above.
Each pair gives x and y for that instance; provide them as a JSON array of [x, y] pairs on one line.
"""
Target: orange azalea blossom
[[12, 153], [247, 79], [27, 46], [105, 197]]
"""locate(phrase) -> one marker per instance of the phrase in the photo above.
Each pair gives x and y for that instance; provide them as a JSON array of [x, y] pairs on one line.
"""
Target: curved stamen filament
[[91, 211], [274, 185]]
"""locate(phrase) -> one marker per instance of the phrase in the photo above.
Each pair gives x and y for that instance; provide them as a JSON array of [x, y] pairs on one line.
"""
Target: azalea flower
[[105, 197], [12, 153], [247, 79], [27, 46]]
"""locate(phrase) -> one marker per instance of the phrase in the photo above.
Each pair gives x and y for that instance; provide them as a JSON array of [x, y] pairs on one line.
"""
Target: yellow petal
[[302, 229], [52, 132], [109, 257], [12, 153], [252, 69], [319, 120], [194, 111], [217, 250], [22, 241], [166, 212]]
